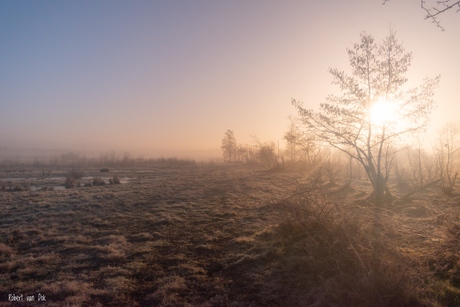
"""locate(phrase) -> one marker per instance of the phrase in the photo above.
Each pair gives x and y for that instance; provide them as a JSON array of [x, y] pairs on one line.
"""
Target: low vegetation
[[233, 235], [72, 176], [98, 181]]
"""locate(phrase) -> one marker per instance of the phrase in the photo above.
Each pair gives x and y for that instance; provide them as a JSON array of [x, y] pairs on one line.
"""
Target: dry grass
[[348, 258], [219, 235]]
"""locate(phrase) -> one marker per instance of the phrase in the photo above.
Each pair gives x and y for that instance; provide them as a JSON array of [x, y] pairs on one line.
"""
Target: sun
[[381, 112]]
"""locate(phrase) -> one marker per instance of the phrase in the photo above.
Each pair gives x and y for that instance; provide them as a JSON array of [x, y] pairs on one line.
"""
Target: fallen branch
[[405, 197]]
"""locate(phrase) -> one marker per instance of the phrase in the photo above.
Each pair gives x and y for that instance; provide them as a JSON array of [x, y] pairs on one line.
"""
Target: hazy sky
[[168, 77]]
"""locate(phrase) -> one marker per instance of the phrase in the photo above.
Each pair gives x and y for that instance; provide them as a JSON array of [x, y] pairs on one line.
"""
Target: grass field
[[222, 235]]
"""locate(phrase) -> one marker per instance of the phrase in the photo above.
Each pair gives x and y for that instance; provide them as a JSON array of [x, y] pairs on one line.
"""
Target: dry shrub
[[444, 267], [114, 180], [98, 181], [350, 264], [15, 187], [72, 175], [69, 182], [21, 187], [75, 173]]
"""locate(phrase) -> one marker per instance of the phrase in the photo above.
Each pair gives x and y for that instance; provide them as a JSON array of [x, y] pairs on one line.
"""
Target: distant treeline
[[106, 160]]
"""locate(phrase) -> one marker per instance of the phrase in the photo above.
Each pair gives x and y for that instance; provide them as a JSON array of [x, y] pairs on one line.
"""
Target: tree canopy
[[229, 147], [375, 109]]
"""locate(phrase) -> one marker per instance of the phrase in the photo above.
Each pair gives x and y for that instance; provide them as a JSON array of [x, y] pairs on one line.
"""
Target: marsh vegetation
[[230, 234]]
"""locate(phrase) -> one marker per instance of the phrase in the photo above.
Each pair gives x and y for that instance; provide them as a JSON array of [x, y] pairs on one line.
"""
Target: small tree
[[248, 153], [375, 109], [446, 155], [293, 138], [311, 152], [229, 146], [266, 154], [421, 165]]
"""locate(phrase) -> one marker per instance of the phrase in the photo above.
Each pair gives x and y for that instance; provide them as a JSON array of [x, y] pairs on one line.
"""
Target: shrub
[[266, 154], [351, 263], [69, 182], [21, 187], [98, 181], [16, 187], [72, 176], [75, 173]]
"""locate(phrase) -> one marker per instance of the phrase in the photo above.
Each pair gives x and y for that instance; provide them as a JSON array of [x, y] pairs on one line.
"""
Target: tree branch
[[447, 5]]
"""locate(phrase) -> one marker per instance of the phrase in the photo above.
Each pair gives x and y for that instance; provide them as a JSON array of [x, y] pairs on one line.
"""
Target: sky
[[168, 78]]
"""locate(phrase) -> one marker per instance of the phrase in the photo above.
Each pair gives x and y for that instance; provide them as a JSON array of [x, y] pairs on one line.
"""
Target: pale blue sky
[[169, 77]]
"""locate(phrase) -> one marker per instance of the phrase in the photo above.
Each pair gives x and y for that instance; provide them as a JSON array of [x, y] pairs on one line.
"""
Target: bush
[[16, 187], [266, 154], [72, 176], [75, 173], [351, 264], [98, 181], [69, 182]]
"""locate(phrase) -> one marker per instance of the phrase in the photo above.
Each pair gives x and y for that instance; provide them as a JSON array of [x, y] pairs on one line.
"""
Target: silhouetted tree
[[246, 153], [266, 154], [293, 138], [348, 122], [229, 146], [308, 146], [437, 8], [446, 154]]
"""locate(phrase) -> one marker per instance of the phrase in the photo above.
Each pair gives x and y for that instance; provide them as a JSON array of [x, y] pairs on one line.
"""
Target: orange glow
[[382, 111]]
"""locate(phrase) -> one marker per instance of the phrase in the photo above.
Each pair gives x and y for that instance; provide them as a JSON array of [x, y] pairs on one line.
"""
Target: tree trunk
[[381, 193]]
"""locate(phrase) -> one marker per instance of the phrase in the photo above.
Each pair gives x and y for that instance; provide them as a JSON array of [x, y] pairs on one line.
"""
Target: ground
[[216, 235]]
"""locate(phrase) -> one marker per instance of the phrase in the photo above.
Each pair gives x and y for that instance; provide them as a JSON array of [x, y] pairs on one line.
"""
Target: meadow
[[222, 235]]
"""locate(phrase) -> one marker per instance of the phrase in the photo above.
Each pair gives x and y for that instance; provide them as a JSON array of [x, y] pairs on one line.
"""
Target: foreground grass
[[225, 236]]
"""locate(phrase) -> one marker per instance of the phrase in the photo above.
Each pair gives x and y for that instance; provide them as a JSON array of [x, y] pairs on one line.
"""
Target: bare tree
[[446, 155], [309, 147], [437, 8], [266, 153], [229, 146], [293, 138], [245, 153], [359, 123], [420, 165]]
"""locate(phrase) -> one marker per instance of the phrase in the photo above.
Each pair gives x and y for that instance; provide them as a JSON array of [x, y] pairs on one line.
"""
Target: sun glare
[[381, 112]]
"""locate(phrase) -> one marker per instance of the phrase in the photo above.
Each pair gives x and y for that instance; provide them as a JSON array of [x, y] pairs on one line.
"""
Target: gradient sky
[[170, 77]]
